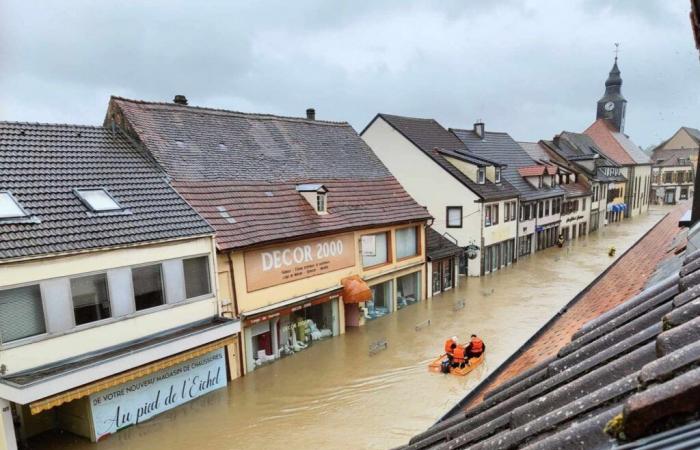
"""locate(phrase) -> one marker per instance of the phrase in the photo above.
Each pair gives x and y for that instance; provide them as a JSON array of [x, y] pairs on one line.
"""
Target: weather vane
[[617, 49]]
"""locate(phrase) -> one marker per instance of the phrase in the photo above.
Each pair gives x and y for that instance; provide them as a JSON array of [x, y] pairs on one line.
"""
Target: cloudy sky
[[531, 68]]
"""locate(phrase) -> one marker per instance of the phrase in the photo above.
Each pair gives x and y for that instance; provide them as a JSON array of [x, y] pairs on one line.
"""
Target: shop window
[[454, 217], [21, 313], [408, 290], [375, 249], [148, 286], [381, 303], [406, 242], [196, 276], [90, 298]]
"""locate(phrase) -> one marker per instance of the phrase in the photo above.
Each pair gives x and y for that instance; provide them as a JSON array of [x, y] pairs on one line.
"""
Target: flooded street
[[337, 395]]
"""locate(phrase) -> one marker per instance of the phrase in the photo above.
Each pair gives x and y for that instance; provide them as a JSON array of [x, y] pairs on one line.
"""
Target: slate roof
[[437, 142], [577, 147], [439, 246], [630, 373], [536, 151], [615, 145], [41, 166], [240, 171], [694, 133], [501, 147]]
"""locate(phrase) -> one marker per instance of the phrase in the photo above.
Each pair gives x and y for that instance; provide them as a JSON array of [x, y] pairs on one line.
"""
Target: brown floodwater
[[335, 395]]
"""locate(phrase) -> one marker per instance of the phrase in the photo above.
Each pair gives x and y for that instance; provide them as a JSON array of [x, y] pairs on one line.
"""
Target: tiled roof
[[577, 189], [436, 142], [666, 158], [615, 145], [256, 212], [629, 369], [439, 246], [578, 147], [502, 148], [536, 170], [250, 165], [42, 165], [536, 151]]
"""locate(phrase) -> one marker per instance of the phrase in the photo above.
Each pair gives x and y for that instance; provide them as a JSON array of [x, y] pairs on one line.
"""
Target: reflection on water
[[338, 395]]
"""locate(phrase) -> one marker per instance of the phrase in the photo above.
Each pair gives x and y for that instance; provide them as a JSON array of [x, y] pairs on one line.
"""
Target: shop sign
[[297, 260], [136, 401]]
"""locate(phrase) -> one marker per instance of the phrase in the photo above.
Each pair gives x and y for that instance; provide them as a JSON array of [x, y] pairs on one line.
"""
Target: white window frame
[[481, 175]]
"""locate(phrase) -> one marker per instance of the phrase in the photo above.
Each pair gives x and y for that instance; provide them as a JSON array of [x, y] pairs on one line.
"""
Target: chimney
[[479, 129], [180, 100], [311, 114]]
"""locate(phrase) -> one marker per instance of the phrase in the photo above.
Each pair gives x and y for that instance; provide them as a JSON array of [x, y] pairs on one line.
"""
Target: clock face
[[609, 106]]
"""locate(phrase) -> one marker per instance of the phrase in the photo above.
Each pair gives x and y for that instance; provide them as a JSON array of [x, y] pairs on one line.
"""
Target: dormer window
[[481, 175], [98, 200], [9, 207], [320, 202], [315, 194], [539, 181], [498, 175]]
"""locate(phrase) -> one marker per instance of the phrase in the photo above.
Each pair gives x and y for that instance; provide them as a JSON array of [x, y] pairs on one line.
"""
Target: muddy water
[[337, 395]]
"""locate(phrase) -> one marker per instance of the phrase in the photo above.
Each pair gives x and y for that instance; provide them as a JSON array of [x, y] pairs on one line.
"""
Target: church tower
[[612, 105]]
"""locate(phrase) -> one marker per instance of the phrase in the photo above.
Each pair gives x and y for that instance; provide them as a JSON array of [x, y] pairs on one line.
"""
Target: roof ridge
[[205, 109], [46, 124], [409, 117]]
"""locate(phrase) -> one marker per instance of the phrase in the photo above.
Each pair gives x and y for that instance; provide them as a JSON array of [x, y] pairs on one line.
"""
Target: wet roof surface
[[241, 170], [629, 373], [437, 143], [43, 164], [502, 148]]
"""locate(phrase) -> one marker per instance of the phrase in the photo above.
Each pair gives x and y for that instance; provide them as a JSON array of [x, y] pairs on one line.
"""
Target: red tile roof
[[624, 279], [601, 132], [246, 213], [531, 171]]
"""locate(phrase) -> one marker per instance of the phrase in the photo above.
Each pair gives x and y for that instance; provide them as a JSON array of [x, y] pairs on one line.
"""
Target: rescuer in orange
[[450, 344], [458, 358], [476, 347]]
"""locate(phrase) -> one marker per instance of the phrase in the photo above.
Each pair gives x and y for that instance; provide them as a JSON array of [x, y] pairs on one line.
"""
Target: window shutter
[[21, 313]]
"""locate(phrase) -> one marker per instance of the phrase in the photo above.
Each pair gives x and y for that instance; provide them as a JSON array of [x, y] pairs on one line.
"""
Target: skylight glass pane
[[9, 207], [99, 200]]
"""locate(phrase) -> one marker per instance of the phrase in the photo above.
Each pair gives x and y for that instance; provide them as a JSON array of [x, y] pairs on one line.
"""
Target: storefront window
[[90, 298], [374, 249], [21, 313], [148, 286], [381, 302], [408, 290], [406, 242], [196, 276]]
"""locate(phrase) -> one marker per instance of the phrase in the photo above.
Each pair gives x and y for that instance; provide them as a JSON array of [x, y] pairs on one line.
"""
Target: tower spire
[[612, 105]]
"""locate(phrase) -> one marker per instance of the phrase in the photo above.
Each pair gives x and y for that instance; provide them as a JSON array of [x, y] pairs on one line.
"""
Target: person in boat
[[459, 357], [476, 347], [450, 345]]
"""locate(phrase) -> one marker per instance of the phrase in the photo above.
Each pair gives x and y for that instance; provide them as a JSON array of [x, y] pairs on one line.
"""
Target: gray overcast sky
[[531, 68]]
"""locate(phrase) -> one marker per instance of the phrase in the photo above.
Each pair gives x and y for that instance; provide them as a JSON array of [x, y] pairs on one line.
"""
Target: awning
[[355, 290], [106, 383]]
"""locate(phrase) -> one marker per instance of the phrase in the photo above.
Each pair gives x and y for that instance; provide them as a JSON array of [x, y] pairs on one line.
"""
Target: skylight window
[[9, 208], [98, 200]]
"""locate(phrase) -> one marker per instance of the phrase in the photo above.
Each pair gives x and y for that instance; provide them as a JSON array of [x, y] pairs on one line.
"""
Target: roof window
[[9, 207], [98, 200], [315, 194]]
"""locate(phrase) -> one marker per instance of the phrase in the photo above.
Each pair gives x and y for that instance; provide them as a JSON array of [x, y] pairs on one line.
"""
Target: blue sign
[[539, 228]]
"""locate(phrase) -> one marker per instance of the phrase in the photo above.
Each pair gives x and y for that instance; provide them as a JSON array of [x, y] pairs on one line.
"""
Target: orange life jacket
[[448, 346], [459, 354], [477, 345]]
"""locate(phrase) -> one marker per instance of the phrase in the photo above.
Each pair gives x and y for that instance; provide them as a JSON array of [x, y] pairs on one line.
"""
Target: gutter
[[481, 387]]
